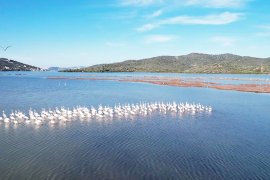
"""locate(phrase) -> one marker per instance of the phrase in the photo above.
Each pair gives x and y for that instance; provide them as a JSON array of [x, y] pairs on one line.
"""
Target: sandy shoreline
[[181, 82]]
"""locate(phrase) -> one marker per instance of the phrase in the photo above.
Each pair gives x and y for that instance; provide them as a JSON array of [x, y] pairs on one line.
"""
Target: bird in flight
[[5, 48]]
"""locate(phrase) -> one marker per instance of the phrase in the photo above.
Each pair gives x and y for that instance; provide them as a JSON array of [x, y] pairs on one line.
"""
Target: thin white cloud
[[147, 27], [202, 3], [212, 19], [263, 34], [224, 41], [265, 31], [138, 2], [114, 44], [155, 14], [158, 39], [218, 3], [267, 27]]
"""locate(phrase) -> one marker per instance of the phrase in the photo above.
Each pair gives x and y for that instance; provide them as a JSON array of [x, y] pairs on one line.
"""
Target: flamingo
[[59, 115]]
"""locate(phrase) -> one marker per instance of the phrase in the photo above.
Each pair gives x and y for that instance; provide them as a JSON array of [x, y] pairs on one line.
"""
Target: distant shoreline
[[179, 82], [72, 71], [140, 72]]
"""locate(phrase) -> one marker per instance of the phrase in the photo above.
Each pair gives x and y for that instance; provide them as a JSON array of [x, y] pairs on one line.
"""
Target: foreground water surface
[[232, 142]]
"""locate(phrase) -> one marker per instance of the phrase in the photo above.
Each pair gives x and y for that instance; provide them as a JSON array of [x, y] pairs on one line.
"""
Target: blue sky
[[86, 32]]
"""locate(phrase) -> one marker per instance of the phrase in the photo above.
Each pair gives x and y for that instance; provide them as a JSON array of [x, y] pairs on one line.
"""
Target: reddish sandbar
[[179, 82]]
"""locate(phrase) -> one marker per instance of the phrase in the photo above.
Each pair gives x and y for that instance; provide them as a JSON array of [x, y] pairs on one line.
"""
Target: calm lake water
[[230, 143]]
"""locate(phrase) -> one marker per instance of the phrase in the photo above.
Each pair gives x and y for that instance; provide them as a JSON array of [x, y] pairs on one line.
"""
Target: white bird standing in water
[[63, 115]]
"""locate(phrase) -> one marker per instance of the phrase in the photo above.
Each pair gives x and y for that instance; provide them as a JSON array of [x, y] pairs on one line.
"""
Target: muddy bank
[[179, 82]]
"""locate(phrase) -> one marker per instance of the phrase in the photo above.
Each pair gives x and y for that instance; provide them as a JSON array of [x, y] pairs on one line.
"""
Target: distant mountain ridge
[[62, 68], [11, 65], [191, 63]]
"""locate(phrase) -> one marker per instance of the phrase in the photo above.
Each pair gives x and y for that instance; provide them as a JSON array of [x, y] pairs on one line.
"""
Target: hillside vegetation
[[191, 63]]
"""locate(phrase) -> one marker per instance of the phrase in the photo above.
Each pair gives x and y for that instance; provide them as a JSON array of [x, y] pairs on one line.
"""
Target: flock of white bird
[[60, 115]]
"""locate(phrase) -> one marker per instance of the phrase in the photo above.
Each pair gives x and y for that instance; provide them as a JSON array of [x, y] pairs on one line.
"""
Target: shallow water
[[231, 143]]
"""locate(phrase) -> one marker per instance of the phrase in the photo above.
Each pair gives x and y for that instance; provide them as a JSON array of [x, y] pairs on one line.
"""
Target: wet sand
[[181, 82]]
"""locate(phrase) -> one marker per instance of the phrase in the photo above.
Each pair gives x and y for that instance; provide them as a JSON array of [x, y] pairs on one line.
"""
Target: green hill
[[11, 65], [191, 63]]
